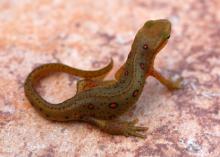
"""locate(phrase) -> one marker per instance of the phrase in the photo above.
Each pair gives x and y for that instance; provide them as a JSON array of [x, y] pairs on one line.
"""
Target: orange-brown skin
[[101, 102]]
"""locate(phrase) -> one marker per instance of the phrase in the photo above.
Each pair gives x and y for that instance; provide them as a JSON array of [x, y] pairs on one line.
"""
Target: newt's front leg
[[171, 85], [117, 127]]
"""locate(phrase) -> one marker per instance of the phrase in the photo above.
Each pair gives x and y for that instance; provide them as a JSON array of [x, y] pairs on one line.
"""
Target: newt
[[100, 102]]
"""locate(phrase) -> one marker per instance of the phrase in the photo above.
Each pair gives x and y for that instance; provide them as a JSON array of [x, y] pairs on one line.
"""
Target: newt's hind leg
[[171, 85], [87, 84], [83, 85], [117, 127]]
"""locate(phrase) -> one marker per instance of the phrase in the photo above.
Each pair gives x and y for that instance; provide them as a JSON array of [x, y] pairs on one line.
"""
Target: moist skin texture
[[100, 102]]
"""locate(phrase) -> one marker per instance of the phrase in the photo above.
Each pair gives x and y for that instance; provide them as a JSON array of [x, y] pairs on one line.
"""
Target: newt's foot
[[117, 127], [124, 128], [169, 83], [175, 85]]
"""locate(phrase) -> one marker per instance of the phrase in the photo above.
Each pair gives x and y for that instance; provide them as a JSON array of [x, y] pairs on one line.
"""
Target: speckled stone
[[86, 34]]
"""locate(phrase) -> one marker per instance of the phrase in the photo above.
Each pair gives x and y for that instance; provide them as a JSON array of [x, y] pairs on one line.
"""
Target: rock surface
[[85, 34]]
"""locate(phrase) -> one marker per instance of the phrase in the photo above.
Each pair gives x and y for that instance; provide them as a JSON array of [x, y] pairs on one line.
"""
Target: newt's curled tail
[[42, 71]]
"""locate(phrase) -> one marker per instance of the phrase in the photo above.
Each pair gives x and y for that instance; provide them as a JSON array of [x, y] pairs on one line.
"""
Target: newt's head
[[152, 37]]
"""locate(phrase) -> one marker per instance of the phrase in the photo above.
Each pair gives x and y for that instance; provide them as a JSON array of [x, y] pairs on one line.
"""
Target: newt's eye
[[145, 46], [168, 36]]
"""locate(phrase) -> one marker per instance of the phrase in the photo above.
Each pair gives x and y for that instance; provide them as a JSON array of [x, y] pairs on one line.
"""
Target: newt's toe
[[133, 130], [175, 85]]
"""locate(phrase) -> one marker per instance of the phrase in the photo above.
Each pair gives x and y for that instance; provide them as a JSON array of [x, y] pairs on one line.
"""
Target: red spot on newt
[[126, 73], [135, 93], [142, 65], [145, 46], [113, 105], [91, 106]]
